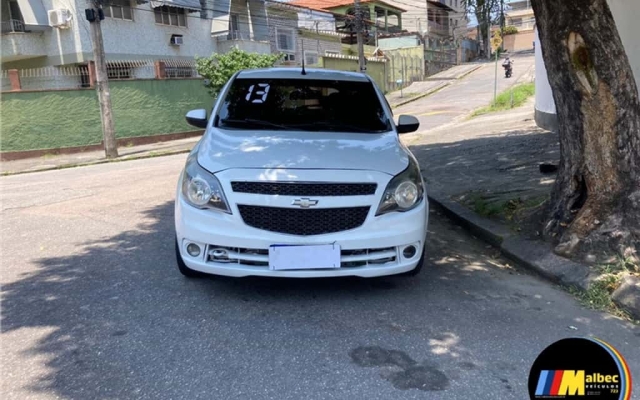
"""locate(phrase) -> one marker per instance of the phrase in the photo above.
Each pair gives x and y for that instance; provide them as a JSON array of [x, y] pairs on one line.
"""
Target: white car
[[300, 173]]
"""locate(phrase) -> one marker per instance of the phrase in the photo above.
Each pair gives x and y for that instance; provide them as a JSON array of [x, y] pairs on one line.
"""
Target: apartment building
[[39, 33]]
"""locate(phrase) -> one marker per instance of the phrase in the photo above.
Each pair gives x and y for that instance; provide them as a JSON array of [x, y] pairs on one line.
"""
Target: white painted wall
[[625, 14], [141, 38], [544, 95]]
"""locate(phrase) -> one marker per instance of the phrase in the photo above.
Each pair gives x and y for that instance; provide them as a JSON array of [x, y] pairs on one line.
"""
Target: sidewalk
[[430, 85], [484, 173], [97, 157]]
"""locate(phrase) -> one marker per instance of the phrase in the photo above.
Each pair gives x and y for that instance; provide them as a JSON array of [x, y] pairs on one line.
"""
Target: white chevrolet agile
[[301, 174]]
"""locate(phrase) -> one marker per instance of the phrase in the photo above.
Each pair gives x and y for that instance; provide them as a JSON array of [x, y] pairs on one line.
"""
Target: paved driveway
[[94, 308]]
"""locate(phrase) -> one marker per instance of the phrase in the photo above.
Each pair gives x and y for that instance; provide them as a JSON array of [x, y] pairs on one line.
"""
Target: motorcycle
[[508, 69]]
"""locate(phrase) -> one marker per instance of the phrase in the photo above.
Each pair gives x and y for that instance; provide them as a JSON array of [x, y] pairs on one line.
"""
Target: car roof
[[296, 73]]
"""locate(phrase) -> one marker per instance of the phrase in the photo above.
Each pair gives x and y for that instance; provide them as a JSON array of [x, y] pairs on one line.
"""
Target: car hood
[[227, 149]]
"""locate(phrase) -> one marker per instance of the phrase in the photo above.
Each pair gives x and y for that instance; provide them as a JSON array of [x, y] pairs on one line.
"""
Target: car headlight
[[404, 192], [201, 188]]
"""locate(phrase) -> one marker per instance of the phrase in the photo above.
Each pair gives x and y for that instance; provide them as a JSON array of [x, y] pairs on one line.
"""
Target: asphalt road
[[93, 307], [466, 94]]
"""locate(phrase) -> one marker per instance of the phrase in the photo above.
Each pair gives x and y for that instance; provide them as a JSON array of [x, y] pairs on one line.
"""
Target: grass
[[598, 296], [504, 100]]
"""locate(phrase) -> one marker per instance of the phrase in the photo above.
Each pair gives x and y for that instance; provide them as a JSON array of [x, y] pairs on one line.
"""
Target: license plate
[[290, 257]]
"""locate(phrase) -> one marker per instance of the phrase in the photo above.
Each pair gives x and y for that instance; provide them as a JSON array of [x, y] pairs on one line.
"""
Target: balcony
[[17, 43], [438, 29], [12, 26], [243, 41]]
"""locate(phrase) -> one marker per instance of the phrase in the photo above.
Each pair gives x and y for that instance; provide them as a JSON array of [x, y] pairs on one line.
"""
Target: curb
[[437, 88], [89, 163], [531, 254], [422, 95]]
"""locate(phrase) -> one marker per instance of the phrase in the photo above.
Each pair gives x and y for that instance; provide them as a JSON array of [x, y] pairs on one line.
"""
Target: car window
[[303, 104]]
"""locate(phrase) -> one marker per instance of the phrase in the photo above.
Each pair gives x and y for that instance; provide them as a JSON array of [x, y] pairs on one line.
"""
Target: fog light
[[193, 250], [409, 251]]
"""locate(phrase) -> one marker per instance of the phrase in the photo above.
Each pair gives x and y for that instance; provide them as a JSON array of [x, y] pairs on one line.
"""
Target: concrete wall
[[72, 118], [519, 41], [141, 38], [624, 13], [398, 42], [406, 64], [375, 69]]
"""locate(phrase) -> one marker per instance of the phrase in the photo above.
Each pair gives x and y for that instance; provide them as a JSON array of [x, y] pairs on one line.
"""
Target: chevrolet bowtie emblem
[[304, 203]]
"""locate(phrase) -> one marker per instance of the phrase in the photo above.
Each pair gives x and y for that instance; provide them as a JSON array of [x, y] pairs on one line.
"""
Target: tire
[[182, 267]]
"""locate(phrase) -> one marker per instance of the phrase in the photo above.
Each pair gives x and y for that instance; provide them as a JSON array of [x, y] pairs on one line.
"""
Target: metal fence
[[4, 79], [403, 70], [54, 78], [78, 76]]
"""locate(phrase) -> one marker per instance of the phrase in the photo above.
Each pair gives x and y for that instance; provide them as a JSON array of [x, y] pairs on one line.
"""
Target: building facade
[[302, 33], [37, 33]]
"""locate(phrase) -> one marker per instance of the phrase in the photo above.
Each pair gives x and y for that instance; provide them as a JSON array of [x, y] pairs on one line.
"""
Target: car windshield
[[303, 105]]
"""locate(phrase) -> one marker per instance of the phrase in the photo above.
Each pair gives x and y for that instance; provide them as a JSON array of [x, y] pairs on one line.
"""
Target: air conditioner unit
[[176, 40], [60, 18]]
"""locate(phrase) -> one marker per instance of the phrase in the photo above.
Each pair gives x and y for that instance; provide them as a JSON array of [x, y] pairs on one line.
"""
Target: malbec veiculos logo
[[567, 382], [579, 368]]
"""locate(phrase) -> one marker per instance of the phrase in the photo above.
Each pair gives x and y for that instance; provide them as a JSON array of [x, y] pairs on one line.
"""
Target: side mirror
[[197, 118], [407, 123]]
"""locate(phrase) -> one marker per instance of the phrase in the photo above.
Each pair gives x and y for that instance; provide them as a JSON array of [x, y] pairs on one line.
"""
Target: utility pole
[[502, 23], [94, 16], [359, 23], [488, 33]]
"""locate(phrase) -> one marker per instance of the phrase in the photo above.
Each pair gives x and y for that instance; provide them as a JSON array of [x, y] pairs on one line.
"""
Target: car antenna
[[304, 72]]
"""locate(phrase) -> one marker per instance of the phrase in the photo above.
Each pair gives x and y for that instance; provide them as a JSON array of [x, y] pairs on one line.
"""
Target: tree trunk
[[595, 204]]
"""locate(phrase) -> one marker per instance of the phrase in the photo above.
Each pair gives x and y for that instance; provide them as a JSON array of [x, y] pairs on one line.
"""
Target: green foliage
[[510, 98], [219, 68], [510, 30]]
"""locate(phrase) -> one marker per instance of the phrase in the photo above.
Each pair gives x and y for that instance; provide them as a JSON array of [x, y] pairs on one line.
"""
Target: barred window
[[179, 72], [119, 9], [170, 16], [119, 71]]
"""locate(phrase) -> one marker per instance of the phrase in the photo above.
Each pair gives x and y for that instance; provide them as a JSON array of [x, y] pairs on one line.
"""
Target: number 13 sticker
[[258, 94]]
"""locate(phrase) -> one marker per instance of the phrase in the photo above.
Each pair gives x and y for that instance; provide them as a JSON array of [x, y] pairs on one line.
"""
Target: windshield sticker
[[258, 94]]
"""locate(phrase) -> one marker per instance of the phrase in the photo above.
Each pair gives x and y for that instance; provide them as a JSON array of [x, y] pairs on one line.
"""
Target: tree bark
[[595, 204]]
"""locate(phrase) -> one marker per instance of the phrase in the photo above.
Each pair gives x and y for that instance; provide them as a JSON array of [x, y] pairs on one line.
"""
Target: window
[[284, 39], [84, 76], [173, 16], [303, 104], [119, 9], [119, 71], [311, 57], [179, 72]]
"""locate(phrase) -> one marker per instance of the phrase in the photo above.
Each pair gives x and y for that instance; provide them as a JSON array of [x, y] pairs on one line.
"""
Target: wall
[[375, 69], [72, 118], [283, 19], [397, 42], [406, 64], [320, 43], [519, 41], [123, 40]]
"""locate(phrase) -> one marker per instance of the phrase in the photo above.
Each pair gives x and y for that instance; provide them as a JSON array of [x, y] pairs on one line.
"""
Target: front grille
[[295, 221], [260, 257], [305, 189]]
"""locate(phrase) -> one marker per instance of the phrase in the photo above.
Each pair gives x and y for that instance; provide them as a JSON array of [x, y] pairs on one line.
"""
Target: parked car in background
[[300, 174]]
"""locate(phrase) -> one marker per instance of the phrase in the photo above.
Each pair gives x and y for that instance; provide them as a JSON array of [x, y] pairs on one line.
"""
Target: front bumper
[[373, 249]]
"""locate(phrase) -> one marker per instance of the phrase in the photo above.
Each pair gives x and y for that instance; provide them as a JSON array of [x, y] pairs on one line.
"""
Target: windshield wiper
[[338, 126], [253, 121]]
